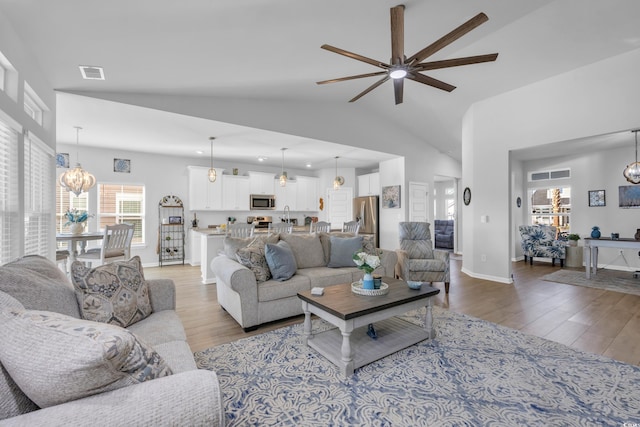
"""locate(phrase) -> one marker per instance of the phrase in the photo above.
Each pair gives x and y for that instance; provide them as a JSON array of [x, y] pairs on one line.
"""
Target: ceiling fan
[[402, 67]]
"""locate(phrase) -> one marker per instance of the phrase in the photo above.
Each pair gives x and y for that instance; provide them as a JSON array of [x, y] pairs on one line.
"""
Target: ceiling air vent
[[92, 73], [546, 175]]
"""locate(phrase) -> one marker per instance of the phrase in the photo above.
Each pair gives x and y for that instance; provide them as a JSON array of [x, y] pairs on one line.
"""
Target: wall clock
[[466, 196]]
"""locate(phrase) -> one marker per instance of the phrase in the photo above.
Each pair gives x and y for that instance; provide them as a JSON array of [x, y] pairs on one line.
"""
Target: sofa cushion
[[281, 261], [342, 250], [253, 258], [272, 290], [322, 276], [112, 293], [233, 244], [13, 401], [159, 327], [55, 358], [39, 284], [306, 248]]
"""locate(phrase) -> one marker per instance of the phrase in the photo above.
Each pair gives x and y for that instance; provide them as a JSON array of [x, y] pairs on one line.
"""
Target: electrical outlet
[[483, 258]]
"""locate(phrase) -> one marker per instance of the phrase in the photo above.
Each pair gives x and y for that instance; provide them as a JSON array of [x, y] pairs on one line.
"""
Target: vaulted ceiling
[[270, 51]]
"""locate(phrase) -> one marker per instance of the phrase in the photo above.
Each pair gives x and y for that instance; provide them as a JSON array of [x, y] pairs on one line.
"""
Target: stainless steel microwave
[[262, 202]]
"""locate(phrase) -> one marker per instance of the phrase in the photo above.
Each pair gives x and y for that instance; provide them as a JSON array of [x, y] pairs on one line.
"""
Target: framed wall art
[[122, 165], [597, 198], [629, 196], [62, 160], [391, 197]]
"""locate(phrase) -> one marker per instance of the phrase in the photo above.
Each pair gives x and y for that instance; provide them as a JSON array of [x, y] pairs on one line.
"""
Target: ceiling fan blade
[[397, 35], [354, 56], [430, 81], [359, 76], [449, 38], [398, 86], [369, 89], [456, 62]]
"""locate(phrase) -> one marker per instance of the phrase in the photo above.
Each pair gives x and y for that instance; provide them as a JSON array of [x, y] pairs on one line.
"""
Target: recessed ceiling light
[[90, 72], [262, 158], [308, 165], [199, 152]]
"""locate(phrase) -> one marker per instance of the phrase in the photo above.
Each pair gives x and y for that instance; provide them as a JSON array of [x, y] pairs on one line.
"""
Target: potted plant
[[573, 239]]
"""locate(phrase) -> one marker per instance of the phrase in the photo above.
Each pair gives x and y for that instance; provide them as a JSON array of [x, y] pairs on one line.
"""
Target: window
[[551, 206], [33, 105], [9, 201], [122, 203], [38, 203]]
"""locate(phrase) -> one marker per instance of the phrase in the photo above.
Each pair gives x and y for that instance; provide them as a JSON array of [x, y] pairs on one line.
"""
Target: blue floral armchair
[[540, 241]]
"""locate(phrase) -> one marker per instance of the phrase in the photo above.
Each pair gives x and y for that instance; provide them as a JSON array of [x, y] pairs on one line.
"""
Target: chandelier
[[632, 171], [338, 180], [212, 172], [283, 175], [77, 180]]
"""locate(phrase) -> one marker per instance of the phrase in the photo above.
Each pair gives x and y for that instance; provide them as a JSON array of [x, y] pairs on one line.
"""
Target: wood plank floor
[[593, 320]]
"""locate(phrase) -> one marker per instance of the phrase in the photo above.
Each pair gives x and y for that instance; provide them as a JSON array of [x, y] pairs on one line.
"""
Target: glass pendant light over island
[[212, 172], [283, 175], [632, 171]]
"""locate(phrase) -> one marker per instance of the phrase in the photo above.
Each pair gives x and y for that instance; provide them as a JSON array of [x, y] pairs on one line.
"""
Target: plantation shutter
[[38, 202], [10, 230]]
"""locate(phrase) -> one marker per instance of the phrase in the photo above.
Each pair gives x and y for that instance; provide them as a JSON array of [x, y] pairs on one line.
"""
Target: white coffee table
[[349, 347]]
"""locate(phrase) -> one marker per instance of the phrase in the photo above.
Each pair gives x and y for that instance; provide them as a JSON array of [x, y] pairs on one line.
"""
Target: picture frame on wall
[[122, 165], [391, 197], [597, 198], [629, 196], [62, 160]]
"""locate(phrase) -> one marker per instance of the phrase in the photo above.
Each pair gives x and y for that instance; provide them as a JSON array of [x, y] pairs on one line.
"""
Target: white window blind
[[38, 197], [10, 230]]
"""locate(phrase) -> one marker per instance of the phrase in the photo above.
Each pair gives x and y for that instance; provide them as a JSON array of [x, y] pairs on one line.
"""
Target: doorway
[[445, 208]]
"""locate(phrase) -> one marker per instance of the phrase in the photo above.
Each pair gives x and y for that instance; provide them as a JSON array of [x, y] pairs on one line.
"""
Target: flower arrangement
[[74, 216], [366, 262]]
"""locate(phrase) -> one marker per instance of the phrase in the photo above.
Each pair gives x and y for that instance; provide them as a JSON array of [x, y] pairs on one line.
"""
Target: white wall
[[594, 100]]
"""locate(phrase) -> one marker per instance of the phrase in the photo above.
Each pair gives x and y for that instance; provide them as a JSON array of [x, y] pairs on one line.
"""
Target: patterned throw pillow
[[55, 358], [253, 258], [112, 293]]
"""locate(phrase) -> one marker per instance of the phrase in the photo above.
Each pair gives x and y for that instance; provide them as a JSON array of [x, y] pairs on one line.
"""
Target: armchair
[[417, 260], [540, 241]]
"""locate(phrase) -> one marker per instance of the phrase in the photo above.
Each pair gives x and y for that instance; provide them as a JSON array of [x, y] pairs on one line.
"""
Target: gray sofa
[[187, 396], [252, 303]]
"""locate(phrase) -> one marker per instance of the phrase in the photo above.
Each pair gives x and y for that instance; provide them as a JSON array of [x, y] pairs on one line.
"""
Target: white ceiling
[[270, 50]]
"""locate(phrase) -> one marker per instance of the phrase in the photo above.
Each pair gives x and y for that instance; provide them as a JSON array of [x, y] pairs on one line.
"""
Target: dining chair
[[240, 230], [280, 228], [116, 245], [351, 227], [320, 227]]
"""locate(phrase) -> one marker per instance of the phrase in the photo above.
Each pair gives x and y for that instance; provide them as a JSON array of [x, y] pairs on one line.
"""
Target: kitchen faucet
[[287, 214]]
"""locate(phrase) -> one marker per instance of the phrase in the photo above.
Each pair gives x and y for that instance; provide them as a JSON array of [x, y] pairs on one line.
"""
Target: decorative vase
[[595, 232], [77, 228], [367, 281], [637, 235]]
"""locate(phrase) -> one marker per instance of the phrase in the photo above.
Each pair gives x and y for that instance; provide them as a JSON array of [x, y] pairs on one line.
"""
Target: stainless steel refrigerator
[[365, 210]]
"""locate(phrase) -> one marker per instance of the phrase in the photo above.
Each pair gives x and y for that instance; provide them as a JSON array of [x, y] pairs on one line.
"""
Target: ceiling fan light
[[398, 73]]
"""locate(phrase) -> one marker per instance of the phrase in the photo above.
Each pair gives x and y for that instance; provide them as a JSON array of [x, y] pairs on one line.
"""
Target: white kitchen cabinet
[[307, 194], [286, 196], [369, 184], [261, 183], [235, 193], [203, 194]]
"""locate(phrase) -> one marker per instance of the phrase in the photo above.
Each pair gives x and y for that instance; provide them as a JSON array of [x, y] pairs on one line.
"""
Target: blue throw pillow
[[281, 260], [342, 250]]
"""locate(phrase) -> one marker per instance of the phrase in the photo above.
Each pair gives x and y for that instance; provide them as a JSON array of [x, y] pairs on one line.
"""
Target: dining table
[[76, 240]]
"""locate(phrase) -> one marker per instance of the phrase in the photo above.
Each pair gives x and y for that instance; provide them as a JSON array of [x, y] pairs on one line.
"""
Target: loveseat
[[59, 369], [252, 297]]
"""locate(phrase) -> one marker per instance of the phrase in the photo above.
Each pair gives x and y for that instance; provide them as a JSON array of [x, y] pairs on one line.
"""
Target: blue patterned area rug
[[474, 373]]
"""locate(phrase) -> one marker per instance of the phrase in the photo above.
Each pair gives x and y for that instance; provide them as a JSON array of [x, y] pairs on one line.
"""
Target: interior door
[[340, 206], [418, 202]]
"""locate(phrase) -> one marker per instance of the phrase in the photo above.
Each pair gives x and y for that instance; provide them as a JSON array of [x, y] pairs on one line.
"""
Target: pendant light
[[77, 180], [283, 175], [338, 180], [212, 172], [632, 171]]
